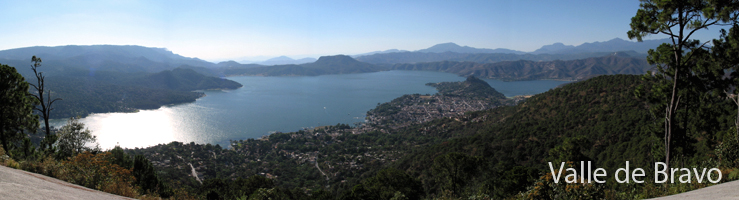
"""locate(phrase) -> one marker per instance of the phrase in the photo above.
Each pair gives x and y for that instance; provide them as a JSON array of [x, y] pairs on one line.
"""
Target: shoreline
[[432, 76]]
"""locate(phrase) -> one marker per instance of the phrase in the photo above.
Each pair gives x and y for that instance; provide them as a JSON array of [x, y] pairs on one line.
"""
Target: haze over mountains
[[284, 60], [616, 63], [339, 64], [451, 47], [557, 51], [102, 57], [111, 78], [613, 45], [616, 44], [145, 59]]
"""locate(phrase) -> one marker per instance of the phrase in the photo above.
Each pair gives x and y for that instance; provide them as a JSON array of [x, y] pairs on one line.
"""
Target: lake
[[269, 104]]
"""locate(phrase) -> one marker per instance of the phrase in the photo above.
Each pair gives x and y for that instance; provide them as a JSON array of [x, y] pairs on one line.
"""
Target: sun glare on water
[[142, 129]]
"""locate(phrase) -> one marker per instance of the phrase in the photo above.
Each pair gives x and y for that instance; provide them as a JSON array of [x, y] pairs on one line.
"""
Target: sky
[[257, 30]]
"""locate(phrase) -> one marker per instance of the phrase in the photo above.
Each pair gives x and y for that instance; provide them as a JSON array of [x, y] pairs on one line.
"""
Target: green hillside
[[599, 119], [81, 97], [183, 79], [471, 88]]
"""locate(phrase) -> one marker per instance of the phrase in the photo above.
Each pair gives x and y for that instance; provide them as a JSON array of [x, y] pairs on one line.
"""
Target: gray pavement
[[722, 191], [19, 184]]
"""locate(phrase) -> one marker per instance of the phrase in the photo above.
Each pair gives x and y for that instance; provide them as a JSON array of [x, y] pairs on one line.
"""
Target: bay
[[269, 104]]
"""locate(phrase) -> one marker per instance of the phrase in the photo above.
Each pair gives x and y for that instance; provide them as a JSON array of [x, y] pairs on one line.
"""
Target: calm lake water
[[269, 104]]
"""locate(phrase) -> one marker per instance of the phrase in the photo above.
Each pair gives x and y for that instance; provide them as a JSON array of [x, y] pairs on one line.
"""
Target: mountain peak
[[613, 45], [446, 45], [335, 58], [558, 44], [230, 62], [452, 47], [553, 48], [472, 88], [284, 60], [279, 59]]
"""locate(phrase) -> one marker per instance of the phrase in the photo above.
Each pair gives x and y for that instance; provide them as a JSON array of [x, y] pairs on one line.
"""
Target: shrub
[[97, 172]]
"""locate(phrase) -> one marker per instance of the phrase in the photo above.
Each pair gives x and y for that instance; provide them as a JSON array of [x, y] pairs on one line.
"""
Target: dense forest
[[85, 92], [116, 92], [81, 96], [472, 87]]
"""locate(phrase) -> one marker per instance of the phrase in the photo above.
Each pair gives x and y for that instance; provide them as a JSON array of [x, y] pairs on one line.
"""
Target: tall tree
[[16, 107], [386, 184], [677, 62], [724, 53], [453, 170], [44, 103], [74, 138]]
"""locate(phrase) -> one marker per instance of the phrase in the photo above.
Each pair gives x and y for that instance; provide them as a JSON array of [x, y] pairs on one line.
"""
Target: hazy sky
[[218, 30]]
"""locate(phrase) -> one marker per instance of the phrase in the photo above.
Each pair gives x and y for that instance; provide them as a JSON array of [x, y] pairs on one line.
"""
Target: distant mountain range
[[613, 45], [451, 47], [419, 57], [616, 44], [284, 60], [138, 59], [110, 78], [103, 57], [380, 52], [556, 51], [445, 48], [617, 63], [339, 64]]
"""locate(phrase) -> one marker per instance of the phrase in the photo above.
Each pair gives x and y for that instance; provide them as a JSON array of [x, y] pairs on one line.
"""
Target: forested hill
[[84, 91], [616, 63], [338, 64], [599, 119], [183, 79], [473, 88], [82, 96], [601, 113], [103, 92]]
